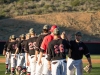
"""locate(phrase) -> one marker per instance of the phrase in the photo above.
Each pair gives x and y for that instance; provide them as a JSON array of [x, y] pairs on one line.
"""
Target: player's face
[[78, 37]]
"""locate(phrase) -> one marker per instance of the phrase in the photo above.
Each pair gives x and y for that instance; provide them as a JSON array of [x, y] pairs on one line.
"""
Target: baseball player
[[42, 61], [38, 44], [21, 56], [12, 48], [75, 55], [7, 55], [57, 50], [30, 47], [40, 39], [27, 57]]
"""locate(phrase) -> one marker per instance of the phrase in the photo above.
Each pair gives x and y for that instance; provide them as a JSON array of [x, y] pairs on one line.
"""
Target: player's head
[[52, 28], [45, 29], [56, 32], [78, 36], [27, 36], [22, 36], [32, 32], [9, 38], [13, 37]]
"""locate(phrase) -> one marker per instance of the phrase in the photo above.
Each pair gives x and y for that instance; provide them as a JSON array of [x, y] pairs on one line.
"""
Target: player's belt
[[32, 56], [43, 55]]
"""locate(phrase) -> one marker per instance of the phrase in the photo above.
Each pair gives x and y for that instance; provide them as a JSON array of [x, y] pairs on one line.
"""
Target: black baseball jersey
[[6, 45], [30, 46], [39, 41], [12, 47], [21, 46], [77, 50], [57, 49]]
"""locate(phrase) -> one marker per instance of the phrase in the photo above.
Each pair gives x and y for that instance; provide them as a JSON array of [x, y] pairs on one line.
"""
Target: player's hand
[[39, 62], [15, 56], [4, 52], [36, 58], [27, 63], [63, 35], [49, 66]]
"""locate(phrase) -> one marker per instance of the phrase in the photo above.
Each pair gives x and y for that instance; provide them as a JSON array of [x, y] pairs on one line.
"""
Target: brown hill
[[88, 23]]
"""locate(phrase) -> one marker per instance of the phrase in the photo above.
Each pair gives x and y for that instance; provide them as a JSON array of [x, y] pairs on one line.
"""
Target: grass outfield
[[95, 70]]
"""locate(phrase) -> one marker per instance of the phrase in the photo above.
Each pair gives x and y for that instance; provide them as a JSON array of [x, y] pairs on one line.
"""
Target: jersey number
[[32, 45], [59, 48]]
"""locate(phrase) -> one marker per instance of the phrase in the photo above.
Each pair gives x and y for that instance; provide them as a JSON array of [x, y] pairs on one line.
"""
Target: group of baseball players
[[50, 53]]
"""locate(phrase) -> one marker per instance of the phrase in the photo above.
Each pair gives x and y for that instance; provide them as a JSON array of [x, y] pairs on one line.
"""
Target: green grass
[[93, 57], [95, 69]]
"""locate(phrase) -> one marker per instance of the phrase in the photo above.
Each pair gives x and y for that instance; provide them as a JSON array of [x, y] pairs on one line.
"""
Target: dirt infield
[[2, 60]]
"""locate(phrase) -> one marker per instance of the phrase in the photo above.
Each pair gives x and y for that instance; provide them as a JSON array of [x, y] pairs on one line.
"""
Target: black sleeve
[[19, 45], [5, 46], [26, 47], [38, 43], [86, 51], [67, 44], [49, 52], [9, 47]]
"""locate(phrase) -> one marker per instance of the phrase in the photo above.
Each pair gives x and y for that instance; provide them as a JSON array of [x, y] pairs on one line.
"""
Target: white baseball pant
[[8, 57], [43, 68], [74, 66], [33, 64], [58, 67], [21, 60], [27, 66], [13, 61]]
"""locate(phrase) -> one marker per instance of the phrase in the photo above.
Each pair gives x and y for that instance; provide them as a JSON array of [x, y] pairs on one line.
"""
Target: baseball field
[[95, 62]]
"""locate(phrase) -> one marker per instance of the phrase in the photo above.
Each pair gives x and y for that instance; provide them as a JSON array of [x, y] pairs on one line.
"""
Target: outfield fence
[[94, 47]]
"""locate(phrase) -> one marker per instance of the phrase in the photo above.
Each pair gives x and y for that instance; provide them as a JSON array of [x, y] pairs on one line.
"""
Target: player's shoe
[[12, 74], [16, 71], [6, 71]]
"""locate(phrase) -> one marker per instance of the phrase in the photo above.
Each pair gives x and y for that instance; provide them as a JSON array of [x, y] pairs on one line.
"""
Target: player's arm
[[42, 49], [49, 56], [27, 53], [5, 48], [87, 54], [38, 42]]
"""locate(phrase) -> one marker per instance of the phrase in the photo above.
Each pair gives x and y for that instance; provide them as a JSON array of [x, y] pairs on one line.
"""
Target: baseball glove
[[87, 68]]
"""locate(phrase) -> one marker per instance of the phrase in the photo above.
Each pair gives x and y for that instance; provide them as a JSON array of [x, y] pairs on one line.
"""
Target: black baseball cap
[[78, 33]]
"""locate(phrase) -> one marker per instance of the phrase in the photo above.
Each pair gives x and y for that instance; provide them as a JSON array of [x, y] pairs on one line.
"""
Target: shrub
[[75, 3]]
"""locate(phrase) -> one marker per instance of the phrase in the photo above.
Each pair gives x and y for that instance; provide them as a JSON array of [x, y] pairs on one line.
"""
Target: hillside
[[88, 23], [12, 8]]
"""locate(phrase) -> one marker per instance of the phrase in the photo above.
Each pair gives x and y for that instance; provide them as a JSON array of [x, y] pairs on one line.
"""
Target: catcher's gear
[[87, 68]]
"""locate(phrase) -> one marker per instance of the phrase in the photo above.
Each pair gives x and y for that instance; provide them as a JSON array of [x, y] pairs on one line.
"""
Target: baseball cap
[[78, 33], [13, 36], [56, 31], [31, 31], [53, 27], [46, 27], [9, 37], [22, 35]]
